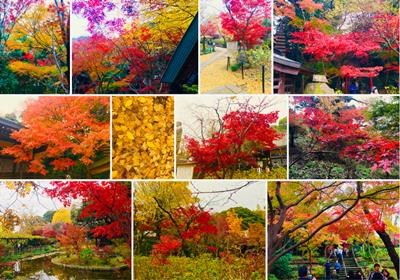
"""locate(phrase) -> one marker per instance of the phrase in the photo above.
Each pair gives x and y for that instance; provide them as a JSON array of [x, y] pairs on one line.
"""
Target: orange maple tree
[[60, 131]]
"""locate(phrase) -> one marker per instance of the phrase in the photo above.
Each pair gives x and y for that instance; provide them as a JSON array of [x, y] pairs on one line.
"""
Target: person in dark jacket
[[376, 274], [303, 273], [328, 270], [337, 267]]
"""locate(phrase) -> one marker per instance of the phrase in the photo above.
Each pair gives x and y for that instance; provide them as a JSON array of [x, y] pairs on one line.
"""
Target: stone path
[[220, 53]]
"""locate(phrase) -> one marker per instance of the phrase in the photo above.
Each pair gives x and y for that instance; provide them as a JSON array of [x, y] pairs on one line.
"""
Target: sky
[[34, 204], [13, 104], [362, 98], [249, 196], [78, 26], [210, 8], [186, 108]]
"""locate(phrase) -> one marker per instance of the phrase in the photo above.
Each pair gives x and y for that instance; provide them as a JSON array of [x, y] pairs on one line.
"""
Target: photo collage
[[199, 139]]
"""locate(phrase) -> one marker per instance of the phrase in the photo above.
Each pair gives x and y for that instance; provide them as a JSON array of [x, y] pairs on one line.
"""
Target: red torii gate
[[348, 71]]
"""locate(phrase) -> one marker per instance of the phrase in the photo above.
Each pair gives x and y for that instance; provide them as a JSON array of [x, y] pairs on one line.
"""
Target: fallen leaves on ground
[[143, 137], [215, 75]]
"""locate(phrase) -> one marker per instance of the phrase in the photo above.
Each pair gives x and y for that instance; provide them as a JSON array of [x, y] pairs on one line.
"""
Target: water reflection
[[43, 269]]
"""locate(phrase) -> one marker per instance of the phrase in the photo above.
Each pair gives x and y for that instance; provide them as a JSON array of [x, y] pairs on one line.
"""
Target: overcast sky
[[13, 104], [35, 203], [78, 26], [249, 196], [362, 98], [210, 8]]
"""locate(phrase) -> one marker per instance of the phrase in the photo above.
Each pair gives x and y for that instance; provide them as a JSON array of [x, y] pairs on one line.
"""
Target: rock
[[318, 86], [320, 79]]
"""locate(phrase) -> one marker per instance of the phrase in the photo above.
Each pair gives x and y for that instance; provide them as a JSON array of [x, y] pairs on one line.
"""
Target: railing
[[344, 265], [355, 260]]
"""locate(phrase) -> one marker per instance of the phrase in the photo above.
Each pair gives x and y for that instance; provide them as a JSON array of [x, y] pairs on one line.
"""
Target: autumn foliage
[[242, 134], [106, 201], [34, 46], [60, 132], [169, 216], [343, 136], [323, 214], [130, 44], [143, 137], [244, 19], [350, 39], [72, 238]]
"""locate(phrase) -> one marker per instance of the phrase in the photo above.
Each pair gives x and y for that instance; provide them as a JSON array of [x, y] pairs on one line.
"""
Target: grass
[[94, 264], [35, 252]]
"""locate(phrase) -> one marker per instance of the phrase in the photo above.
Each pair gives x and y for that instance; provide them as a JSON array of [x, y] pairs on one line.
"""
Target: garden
[[333, 230], [341, 47], [126, 46], [344, 137], [59, 137], [65, 230], [231, 137], [34, 47], [199, 230], [235, 46], [143, 137]]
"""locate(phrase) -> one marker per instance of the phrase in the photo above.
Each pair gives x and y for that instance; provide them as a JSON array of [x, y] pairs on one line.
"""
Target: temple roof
[[182, 53]]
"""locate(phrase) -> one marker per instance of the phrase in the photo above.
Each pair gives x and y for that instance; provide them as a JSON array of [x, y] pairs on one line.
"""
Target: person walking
[[376, 274], [337, 267], [340, 255], [328, 270], [385, 273], [17, 267], [374, 90], [303, 273]]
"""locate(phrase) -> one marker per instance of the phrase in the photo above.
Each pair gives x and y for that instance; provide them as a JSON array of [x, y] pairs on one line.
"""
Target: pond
[[43, 269]]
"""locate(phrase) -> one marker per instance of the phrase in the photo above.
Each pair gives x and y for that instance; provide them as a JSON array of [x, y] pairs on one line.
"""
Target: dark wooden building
[[183, 69], [288, 74], [8, 168]]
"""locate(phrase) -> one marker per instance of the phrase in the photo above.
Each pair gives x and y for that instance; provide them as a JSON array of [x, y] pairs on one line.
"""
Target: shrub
[[8, 80], [281, 268], [191, 89], [86, 255], [391, 90], [7, 275], [235, 67], [203, 267], [259, 56], [72, 239], [275, 173], [272, 277]]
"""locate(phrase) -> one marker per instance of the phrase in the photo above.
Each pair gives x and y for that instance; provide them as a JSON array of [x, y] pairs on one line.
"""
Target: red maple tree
[[58, 126], [345, 133], [244, 19], [108, 202], [180, 228], [208, 28], [241, 135]]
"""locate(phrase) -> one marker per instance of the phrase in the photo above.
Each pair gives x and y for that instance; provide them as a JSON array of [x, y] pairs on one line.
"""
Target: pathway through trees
[[216, 79]]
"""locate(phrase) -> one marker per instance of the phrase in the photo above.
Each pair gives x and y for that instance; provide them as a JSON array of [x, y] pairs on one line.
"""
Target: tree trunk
[[394, 257]]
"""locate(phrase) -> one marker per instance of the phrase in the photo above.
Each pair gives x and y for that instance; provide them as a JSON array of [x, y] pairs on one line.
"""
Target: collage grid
[[158, 179]]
